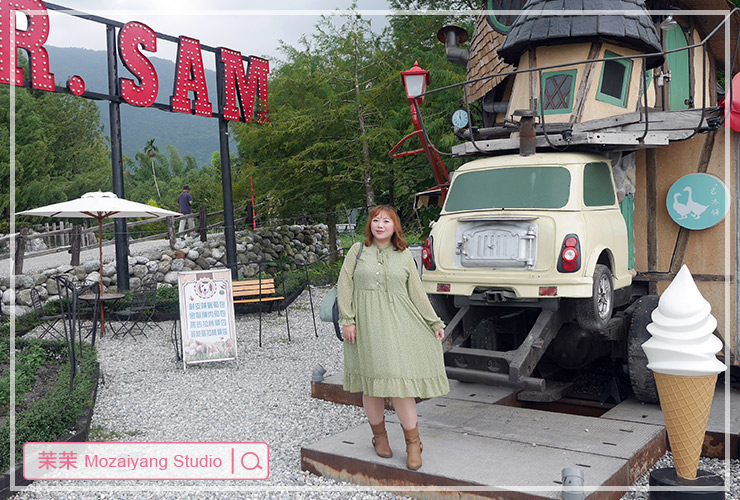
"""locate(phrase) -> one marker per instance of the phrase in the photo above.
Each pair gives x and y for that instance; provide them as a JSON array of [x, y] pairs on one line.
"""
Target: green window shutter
[[615, 80], [627, 207], [678, 64], [558, 88]]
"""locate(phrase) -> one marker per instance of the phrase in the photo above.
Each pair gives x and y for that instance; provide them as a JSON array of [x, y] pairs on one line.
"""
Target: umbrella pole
[[100, 297]]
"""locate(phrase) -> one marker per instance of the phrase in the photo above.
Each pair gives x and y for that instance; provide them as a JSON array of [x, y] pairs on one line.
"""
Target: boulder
[[91, 265], [79, 273], [43, 292], [164, 266], [171, 278], [139, 270], [23, 298], [177, 265], [51, 286], [19, 310], [24, 281], [109, 270]]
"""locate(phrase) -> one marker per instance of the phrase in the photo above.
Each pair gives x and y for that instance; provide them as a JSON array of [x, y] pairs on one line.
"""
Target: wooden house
[[610, 83]]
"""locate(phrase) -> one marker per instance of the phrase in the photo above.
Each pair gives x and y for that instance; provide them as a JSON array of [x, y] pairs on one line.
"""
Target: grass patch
[[55, 412]]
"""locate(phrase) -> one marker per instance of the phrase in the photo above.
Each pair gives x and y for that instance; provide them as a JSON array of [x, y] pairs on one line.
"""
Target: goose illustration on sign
[[698, 201]]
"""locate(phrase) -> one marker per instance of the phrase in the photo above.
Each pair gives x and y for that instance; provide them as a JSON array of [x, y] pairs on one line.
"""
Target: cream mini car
[[531, 229]]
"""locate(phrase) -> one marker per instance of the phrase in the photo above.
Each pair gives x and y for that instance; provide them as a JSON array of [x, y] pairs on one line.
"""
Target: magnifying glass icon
[[256, 457]]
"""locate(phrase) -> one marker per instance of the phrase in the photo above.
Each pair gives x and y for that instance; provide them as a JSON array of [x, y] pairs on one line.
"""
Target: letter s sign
[[130, 37]]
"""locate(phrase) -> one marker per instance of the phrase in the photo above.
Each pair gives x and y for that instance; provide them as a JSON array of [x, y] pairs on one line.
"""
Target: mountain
[[189, 134]]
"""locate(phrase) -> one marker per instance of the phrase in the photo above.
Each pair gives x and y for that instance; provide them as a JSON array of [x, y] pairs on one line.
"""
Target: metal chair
[[88, 311], [47, 322], [137, 316]]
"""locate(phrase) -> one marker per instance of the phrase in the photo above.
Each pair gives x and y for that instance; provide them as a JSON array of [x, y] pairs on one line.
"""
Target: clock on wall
[[460, 118]]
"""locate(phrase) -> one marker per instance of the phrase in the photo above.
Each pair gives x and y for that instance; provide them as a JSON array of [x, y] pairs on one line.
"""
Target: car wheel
[[595, 312], [641, 377]]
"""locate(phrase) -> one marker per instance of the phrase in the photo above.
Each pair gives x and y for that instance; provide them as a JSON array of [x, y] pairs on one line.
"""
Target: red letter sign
[[130, 37], [190, 63], [32, 40], [257, 85], [235, 82]]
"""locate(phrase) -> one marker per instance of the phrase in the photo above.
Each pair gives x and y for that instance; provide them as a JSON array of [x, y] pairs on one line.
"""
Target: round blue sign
[[698, 201]]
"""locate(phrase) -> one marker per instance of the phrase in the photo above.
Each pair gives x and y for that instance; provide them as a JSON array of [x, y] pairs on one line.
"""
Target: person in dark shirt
[[184, 203]]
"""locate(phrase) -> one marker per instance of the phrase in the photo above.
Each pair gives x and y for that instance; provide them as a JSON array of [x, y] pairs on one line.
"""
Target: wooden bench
[[258, 289], [254, 288]]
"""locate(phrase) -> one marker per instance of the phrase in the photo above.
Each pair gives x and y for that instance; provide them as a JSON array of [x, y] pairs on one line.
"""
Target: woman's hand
[[439, 334], [349, 332]]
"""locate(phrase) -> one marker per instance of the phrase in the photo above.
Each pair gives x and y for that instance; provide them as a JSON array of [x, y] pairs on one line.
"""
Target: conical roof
[[630, 25]]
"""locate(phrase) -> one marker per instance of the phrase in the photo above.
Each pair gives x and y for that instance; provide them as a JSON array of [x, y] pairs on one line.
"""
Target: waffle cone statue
[[682, 355]]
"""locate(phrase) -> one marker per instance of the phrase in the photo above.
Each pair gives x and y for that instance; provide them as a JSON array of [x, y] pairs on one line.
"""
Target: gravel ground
[[145, 395]]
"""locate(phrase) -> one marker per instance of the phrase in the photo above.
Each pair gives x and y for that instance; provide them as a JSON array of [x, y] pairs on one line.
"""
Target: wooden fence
[[74, 238]]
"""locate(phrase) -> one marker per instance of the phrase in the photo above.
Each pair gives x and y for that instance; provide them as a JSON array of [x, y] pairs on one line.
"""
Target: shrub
[[57, 411]]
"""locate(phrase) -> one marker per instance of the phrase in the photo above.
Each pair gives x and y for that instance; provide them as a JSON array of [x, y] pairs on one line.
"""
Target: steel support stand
[[114, 107]]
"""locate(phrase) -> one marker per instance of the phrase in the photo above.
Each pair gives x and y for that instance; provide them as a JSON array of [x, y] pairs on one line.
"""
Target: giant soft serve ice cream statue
[[681, 354]]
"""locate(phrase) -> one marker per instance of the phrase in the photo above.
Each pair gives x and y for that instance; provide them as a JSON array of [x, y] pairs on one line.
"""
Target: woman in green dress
[[391, 333]]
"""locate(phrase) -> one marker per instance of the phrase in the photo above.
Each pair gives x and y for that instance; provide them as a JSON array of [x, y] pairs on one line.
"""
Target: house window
[[615, 81], [557, 91], [502, 21]]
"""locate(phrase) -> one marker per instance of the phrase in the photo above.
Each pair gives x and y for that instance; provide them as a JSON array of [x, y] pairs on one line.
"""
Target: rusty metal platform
[[723, 427], [476, 443]]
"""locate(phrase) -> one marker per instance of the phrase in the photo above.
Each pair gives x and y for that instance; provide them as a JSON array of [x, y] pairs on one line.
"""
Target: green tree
[[60, 149], [151, 151]]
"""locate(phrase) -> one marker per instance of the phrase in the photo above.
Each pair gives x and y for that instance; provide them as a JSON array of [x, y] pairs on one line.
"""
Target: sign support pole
[[223, 137], [229, 232], [114, 107]]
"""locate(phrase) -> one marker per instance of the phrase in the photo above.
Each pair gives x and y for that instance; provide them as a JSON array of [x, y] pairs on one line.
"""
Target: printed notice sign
[[207, 316]]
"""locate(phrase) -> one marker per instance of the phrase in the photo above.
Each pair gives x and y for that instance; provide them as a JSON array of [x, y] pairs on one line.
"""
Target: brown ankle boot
[[380, 440], [413, 447]]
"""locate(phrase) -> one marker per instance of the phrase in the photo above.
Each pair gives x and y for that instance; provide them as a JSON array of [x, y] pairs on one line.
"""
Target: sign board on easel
[[207, 317]]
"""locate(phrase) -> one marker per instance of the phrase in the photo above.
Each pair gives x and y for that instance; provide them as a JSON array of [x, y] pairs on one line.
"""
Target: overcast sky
[[248, 27]]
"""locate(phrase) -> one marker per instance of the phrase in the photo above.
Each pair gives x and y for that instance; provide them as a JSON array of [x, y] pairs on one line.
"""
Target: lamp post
[[415, 81]]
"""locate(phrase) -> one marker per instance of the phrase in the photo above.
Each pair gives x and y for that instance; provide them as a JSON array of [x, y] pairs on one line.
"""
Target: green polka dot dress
[[396, 353]]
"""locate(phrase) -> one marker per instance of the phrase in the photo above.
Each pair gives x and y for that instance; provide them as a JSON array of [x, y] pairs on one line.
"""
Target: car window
[[597, 185], [520, 187]]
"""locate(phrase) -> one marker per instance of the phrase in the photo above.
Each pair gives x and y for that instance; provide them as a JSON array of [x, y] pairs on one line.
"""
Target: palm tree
[[151, 151]]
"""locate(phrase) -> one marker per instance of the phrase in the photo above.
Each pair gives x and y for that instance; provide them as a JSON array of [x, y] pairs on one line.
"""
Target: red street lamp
[[415, 82]]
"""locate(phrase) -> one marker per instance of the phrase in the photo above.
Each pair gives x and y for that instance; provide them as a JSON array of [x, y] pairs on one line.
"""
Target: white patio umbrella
[[99, 205]]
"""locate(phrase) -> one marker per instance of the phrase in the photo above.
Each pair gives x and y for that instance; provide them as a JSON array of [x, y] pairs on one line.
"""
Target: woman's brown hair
[[397, 238]]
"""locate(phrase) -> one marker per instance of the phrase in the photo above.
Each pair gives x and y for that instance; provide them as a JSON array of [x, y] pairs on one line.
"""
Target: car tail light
[[427, 255], [570, 255]]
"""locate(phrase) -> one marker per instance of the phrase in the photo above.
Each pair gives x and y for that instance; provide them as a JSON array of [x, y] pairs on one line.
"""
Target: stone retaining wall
[[298, 244]]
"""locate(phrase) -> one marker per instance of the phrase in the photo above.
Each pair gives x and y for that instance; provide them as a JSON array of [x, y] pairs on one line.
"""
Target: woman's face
[[382, 228]]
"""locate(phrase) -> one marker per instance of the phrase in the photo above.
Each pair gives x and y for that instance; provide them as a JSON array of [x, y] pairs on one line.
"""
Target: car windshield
[[520, 187]]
